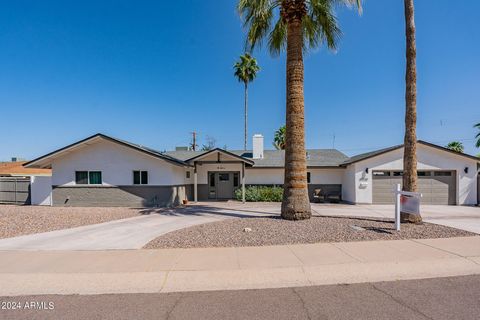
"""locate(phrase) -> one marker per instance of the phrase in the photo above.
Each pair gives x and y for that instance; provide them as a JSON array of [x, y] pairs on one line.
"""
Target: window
[[381, 173], [212, 180], [224, 177], [398, 173], [236, 179], [309, 177], [95, 177], [81, 177], [187, 174], [88, 177], [140, 177], [443, 173], [423, 173], [144, 177]]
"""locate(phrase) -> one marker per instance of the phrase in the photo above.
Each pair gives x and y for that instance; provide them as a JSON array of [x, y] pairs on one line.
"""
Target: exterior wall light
[[465, 170], [366, 170]]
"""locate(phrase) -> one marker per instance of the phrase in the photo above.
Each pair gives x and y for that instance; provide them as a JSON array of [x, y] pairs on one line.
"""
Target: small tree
[[456, 146], [210, 144], [279, 138]]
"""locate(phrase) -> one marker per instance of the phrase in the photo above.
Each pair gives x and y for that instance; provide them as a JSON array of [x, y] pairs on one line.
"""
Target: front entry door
[[222, 184]]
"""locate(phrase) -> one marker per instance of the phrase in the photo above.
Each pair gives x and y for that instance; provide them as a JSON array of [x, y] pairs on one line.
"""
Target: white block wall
[[117, 164], [276, 176], [41, 190]]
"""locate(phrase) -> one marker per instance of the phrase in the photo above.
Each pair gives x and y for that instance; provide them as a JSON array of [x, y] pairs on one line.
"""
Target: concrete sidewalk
[[177, 270]]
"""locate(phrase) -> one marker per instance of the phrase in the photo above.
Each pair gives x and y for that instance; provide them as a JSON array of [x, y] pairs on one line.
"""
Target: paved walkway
[[131, 233], [179, 270]]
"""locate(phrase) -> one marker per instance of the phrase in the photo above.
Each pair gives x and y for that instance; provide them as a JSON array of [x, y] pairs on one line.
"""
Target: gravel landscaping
[[22, 220], [276, 231]]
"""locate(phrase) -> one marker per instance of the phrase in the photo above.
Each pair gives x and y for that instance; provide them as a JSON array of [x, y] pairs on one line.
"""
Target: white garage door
[[437, 187]]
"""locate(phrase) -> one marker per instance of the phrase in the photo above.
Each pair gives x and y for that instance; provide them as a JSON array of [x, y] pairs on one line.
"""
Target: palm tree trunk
[[295, 204], [246, 117], [410, 144]]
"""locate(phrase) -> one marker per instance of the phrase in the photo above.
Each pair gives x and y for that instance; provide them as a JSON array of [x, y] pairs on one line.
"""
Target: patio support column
[[195, 182], [243, 182]]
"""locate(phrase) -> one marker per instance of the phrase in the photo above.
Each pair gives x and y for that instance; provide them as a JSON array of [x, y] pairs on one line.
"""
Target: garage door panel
[[424, 182], [440, 201], [439, 188]]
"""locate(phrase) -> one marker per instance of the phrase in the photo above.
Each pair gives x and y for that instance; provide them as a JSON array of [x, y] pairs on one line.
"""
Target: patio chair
[[318, 195], [334, 196]]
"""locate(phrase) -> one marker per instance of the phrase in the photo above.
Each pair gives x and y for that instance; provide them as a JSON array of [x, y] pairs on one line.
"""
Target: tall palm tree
[[410, 143], [279, 138], [246, 70], [477, 144], [456, 146], [301, 24]]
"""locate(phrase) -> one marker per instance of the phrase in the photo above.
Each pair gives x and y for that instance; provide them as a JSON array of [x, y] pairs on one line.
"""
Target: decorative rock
[[357, 228], [247, 230]]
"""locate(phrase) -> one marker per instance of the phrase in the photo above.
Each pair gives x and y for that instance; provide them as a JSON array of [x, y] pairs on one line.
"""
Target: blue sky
[[153, 71]]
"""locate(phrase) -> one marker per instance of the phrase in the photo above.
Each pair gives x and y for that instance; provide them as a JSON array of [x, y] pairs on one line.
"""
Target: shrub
[[260, 194]]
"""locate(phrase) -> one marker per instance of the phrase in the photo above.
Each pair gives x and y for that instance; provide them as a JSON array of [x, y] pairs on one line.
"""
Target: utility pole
[[193, 145]]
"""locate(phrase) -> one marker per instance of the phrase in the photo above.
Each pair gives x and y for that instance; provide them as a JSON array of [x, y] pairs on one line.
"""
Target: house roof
[[274, 158], [368, 155], [46, 163], [17, 169]]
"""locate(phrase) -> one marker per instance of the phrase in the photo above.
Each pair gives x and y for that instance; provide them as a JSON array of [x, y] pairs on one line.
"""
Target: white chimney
[[257, 146]]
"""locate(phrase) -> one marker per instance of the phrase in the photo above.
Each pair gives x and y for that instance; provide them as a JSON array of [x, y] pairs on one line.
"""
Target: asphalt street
[[440, 298]]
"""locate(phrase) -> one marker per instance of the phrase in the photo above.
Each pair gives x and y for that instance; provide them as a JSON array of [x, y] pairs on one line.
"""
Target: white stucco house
[[105, 171]]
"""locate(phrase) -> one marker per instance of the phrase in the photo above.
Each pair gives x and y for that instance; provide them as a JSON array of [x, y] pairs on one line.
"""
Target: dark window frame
[[424, 173], [442, 173], [140, 177], [381, 173], [90, 177], [309, 177], [84, 180], [87, 180], [221, 176], [236, 179]]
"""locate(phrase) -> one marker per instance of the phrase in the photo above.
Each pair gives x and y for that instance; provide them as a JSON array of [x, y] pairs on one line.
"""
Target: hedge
[[260, 194]]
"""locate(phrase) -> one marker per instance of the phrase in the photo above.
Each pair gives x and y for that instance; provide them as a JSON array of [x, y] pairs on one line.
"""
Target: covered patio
[[217, 174]]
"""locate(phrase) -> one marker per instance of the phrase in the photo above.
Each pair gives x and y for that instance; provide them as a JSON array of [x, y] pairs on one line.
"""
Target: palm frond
[[257, 16], [319, 25], [349, 3], [278, 38], [321, 12]]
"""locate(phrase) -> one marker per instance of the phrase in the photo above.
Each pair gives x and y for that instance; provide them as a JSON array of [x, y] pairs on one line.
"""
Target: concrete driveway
[[131, 233], [134, 233]]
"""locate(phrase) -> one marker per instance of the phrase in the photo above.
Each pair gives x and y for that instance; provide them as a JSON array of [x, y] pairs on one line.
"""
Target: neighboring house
[[23, 185], [16, 169], [104, 171]]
